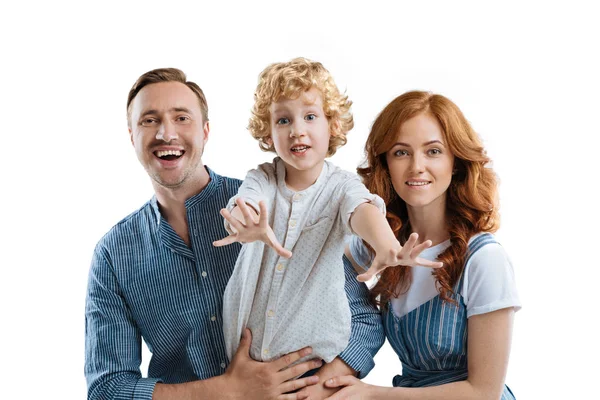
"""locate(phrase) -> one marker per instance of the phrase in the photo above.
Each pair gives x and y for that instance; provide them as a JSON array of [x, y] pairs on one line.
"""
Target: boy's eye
[[282, 121], [310, 117]]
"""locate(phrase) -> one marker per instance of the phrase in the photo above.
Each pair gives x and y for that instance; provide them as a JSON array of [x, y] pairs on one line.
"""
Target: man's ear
[[206, 130], [130, 135]]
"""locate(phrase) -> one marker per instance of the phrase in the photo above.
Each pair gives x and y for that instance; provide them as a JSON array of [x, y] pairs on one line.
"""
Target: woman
[[429, 166]]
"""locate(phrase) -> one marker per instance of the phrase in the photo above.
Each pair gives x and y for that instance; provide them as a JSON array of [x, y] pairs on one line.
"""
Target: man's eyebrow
[[174, 109], [148, 112], [180, 109]]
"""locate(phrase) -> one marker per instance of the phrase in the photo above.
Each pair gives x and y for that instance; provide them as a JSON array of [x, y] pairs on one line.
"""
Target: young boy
[[289, 302]]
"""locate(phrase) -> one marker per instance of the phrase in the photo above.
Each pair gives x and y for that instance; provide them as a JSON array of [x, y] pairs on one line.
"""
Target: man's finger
[[299, 369], [339, 381], [296, 384], [285, 361], [244, 348]]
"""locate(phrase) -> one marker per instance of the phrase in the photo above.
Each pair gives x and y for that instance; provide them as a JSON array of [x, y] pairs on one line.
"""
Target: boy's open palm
[[406, 255], [251, 230]]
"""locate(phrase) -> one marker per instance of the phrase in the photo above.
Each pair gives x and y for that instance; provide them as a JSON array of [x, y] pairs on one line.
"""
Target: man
[[157, 275]]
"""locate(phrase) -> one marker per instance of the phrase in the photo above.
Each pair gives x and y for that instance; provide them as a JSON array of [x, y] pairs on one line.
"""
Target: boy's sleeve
[[354, 193], [112, 340], [366, 333], [253, 190]]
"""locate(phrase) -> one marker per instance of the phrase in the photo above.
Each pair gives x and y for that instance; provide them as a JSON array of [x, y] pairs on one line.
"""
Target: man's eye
[[183, 118], [282, 121], [148, 121], [310, 117]]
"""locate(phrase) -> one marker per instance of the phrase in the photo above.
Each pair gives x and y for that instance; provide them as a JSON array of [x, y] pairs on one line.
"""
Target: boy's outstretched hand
[[406, 255], [249, 230]]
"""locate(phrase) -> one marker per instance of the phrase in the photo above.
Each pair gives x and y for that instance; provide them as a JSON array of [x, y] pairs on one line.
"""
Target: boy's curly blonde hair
[[291, 79]]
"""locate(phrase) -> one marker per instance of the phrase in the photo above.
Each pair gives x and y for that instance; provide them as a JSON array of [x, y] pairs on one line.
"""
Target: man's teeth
[[164, 153], [417, 183]]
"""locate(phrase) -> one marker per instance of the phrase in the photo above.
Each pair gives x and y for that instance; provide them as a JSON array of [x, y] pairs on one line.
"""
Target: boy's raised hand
[[406, 255], [251, 230]]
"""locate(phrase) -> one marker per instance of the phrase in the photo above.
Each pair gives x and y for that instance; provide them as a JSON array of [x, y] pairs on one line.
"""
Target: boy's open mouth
[[300, 148]]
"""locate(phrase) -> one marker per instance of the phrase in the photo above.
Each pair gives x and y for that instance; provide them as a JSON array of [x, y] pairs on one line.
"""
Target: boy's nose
[[297, 130]]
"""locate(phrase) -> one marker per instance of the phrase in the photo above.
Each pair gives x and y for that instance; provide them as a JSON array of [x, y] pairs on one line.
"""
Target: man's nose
[[166, 132]]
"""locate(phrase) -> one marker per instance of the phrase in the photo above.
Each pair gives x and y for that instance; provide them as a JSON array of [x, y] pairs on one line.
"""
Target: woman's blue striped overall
[[431, 340]]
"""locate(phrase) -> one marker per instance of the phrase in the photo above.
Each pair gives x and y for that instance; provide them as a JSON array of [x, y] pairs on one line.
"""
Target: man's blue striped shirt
[[145, 282]]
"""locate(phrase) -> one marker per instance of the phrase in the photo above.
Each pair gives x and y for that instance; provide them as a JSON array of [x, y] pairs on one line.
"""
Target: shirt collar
[[286, 191], [213, 184]]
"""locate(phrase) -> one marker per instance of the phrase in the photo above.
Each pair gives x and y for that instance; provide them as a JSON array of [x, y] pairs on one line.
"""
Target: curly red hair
[[472, 198]]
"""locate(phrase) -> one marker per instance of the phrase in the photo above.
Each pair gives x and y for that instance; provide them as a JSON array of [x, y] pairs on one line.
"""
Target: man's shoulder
[[230, 184], [141, 219]]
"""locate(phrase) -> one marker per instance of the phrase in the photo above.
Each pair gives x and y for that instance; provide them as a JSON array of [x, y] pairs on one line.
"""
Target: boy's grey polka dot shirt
[[292, 303]]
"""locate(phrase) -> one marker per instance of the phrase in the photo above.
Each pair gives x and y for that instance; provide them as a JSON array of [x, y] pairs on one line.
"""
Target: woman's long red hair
[[471, 201]]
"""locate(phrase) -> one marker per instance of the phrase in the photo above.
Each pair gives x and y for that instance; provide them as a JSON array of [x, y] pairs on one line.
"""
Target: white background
[[525, 74]]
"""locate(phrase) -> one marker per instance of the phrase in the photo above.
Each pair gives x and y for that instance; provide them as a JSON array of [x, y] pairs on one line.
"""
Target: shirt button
[[271, 313], [280, 267], [222, 365], [213, 318], [204, 274], [292, 223], [297, 197], [172, 250], [266, 351]]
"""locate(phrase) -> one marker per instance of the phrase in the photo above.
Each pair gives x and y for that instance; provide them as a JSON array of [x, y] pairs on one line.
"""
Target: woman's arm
[[488, 343]]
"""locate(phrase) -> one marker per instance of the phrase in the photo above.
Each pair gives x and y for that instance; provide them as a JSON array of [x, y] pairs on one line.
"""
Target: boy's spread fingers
[[225, 241], [237, 225]]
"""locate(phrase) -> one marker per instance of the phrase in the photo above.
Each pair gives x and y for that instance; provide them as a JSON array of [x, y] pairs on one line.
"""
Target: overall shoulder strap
[[474, 246]]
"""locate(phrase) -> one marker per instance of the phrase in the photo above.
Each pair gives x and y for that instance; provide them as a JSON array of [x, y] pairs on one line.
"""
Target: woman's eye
[[399, 153], [435, 152]]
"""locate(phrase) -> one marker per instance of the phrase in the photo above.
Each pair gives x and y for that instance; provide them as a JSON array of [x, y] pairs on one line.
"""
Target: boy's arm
[[370, 224]]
